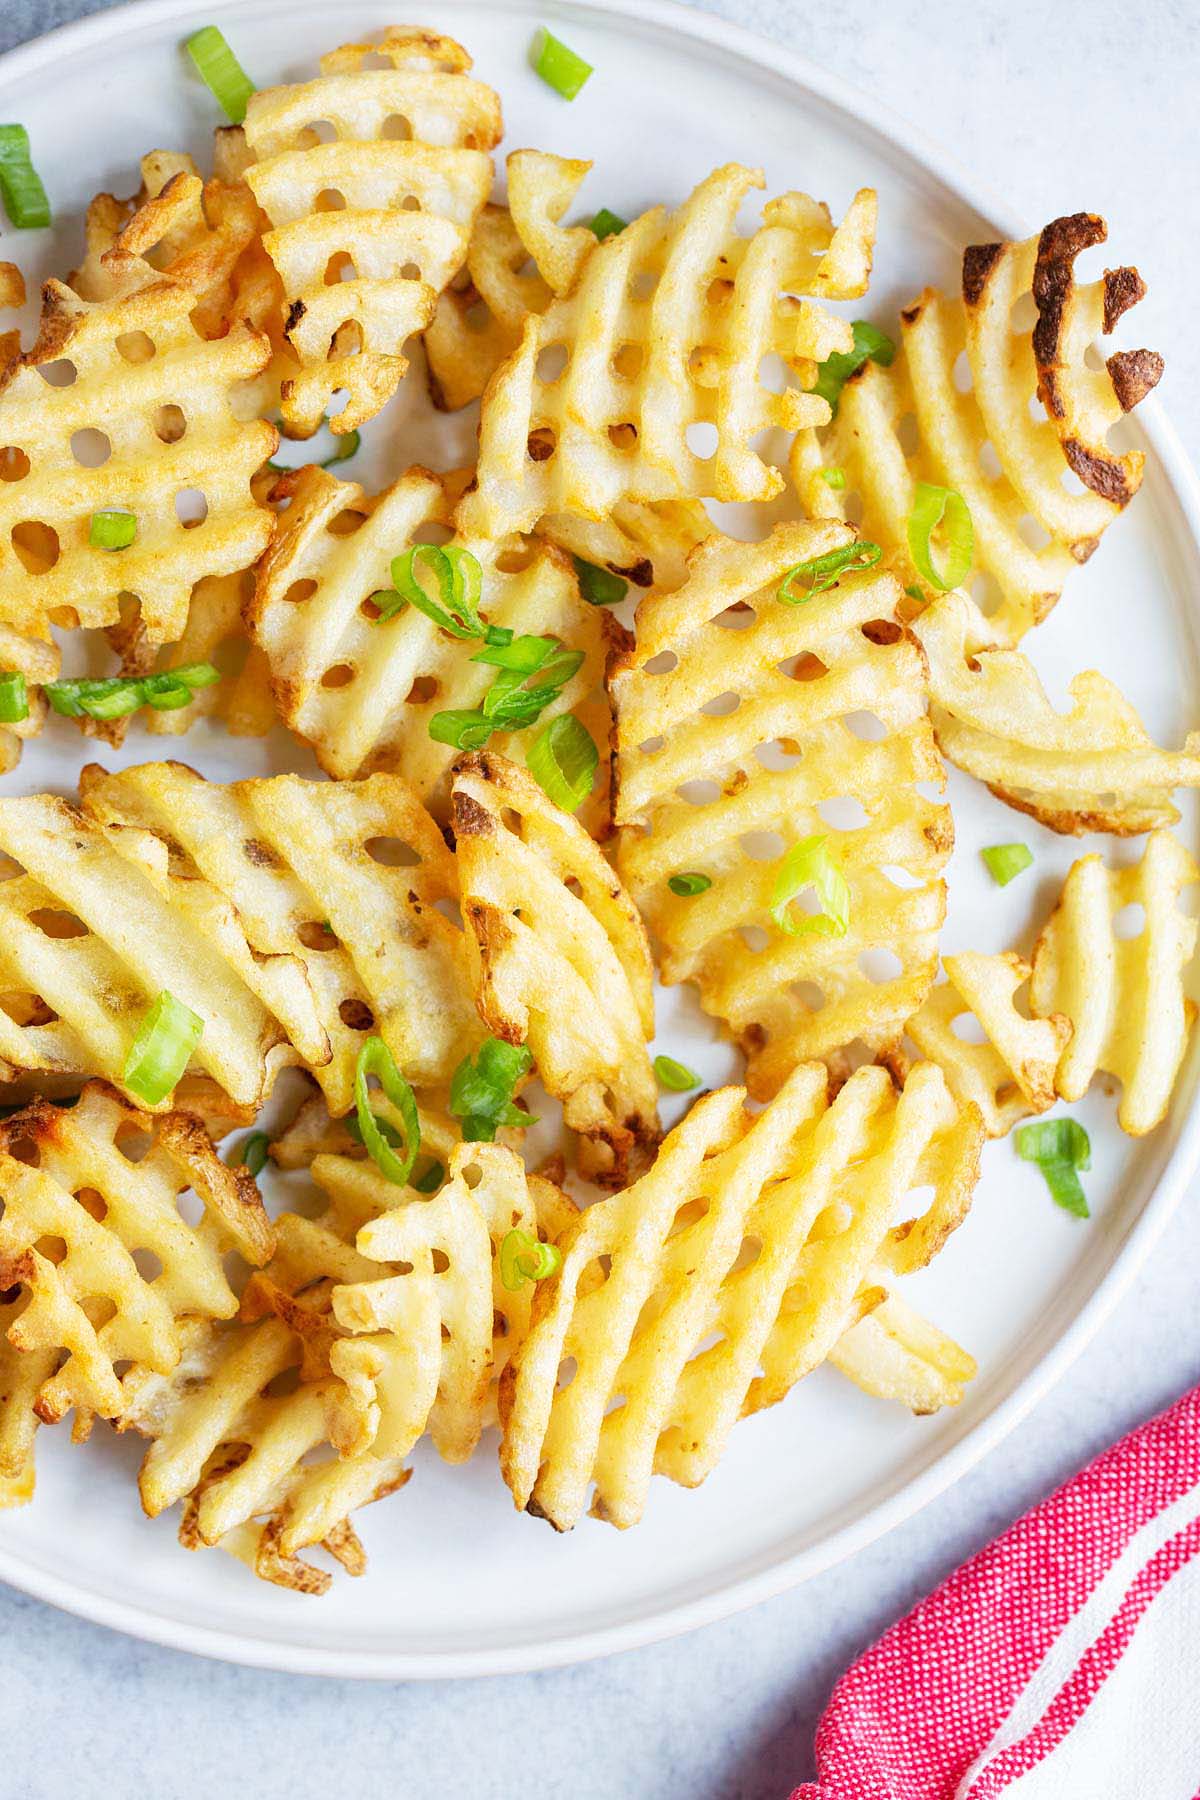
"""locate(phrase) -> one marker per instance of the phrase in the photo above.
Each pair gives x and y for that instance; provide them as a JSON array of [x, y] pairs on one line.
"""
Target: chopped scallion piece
[[558, 66], [14, 700], [464, 729], [563, 758], [599, 587], [524, 1258], [460, 583], [251, 1153], [347, 446], [916, 593], [221, 71], [691, 883], [834, 478], [24, 196], [430, 1179], [112, 530], [607, 224], [674, 1076], [115, 696], [822, 572], [162, 1049], [482, 1088], [945, 511], [1059, 1147], [810, 864], [1005, 861], [376, 1059], [833, 374]]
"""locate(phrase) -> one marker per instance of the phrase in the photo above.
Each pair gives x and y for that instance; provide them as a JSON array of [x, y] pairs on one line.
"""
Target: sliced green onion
[[1004, 861], [834, 478], [431, 1178], [251, 1153], [14, 700], [112, 530], [524, 1258], [376, 1059], [162, 1048], [607, 224], [116, 696], [918, 594], [464, 729], [688, 884], [347, 446], [599, 587], [525, 654], [810, 864], [1059, 1147], [675, 1076], [24, 196], [460, 583], [833, 374], [482, 1087], [944, 509], [822, 572], [563, 758], [221, 71], [558, 67]]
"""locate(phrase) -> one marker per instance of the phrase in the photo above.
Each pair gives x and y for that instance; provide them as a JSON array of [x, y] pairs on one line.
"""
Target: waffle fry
[[241, 1455], [361, 277], [78, 1212], [23, 1373], [363, 693], [1122, 993], [739, 749], [560, 962], [121, 403], [770, 1231], [38, 663], [1012, 1072], [1023, 500], [307, 869], [215, 632], [648, 545], [1090, 769], [895, 1354], [666, 329]]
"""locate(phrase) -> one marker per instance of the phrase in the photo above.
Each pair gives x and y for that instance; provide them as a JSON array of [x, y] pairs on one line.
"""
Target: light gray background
[[1059, 105]]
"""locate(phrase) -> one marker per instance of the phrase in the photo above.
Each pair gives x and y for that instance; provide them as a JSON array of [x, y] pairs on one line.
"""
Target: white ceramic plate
[[459, 1583]]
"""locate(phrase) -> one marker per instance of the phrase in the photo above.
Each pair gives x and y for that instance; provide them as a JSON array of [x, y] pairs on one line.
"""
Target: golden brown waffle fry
[[560, 961], [242, 1455], [665, 330], [1011, 1073], [23, 1373], [336, 882], [1017, 502], [896, 1354], [216, 633], [368, 228], [79, 1213], [1093, 768], [741, 721], [731, 1270], [362, 691], [648, 545], [95, 925], [479, 318], [121, 404], [1120, 986]]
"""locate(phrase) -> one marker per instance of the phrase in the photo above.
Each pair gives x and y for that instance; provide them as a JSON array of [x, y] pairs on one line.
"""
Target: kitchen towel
[[1061, 1663]]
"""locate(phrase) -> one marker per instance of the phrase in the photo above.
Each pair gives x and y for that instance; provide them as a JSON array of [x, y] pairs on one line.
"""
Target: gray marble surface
[[1085, 103]]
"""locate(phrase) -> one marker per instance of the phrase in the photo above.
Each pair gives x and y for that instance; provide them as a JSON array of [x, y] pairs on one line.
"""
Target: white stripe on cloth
[[1076, 1637]]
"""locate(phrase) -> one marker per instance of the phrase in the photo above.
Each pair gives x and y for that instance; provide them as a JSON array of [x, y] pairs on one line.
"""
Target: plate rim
[[713, 33]]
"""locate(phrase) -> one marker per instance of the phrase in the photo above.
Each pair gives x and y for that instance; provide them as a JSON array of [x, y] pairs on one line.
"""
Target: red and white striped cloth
[[1061, 1663]]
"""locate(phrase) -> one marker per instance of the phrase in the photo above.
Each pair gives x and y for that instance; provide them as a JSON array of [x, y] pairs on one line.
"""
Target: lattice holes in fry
[[1118, 977], [1030, 530], [1093, 768], [726, 1274], [368, 228], [665, 330], [745, 725], [89, 1194], [560, 962]]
